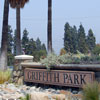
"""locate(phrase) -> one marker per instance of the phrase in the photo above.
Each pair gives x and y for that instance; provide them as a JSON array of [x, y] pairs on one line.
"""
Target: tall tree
[[10, 40], [91, 40], [68, 46], [25, 38], [18, 4], [25, 42], [96, 50], [14, 40], [31, 47], [3, 55], [10, 56], [82, 46], [43, 47], [38, 44], [74, 39], [49, 30]]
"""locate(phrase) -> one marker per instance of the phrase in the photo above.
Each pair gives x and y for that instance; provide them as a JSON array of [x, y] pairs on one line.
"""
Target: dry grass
[[4, 76], [91, 91]]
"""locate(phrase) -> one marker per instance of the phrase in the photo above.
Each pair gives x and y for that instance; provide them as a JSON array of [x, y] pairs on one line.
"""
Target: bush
[[64, 59], [96, 50], [79, 58], [51, 60], [86, 59], [27, 97], [91, 91], [39, 54], [5, 76]]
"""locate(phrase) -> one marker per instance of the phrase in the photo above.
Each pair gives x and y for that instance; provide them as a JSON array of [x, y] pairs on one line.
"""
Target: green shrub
[[50, 61], [76, 60], [64, 59], [96, 50], [5, 76], [27, 97], [86, 59], [79, 55], [91, 91]]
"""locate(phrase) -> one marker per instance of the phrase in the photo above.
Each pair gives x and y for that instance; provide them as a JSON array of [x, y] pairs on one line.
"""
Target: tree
[[49, 28], [10, 40], [82, 46], [25, 39], [43, 50], [74, 39], [3, 55], [91, 40], [68, 38], [14, 40], [38, 44], [31, 47], [10, 46], [43, 47], [96, 49], [18, 4]]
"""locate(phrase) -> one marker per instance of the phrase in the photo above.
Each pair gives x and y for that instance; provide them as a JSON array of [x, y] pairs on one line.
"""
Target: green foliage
[[82, 46], [10, 59], [30, 47], [74, 39], [39, 54], [40, 50], [79, 55], [77, 40], [91, 91], [26, 98], [10, 40], [14, 40], [70, 38], [67, 37], [43, 47], [38, 44], [50, 61], [25, 40], [10, 56], [96, 50], [69, 58], [91, 40], [5, 76], [64, 59]]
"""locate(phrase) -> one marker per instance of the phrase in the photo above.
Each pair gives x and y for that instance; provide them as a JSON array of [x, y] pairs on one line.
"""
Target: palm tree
[[49, 28], [3, 54], [18, 4]]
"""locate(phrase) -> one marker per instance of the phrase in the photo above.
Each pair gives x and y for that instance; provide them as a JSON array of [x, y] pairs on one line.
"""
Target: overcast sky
[[34, 18]]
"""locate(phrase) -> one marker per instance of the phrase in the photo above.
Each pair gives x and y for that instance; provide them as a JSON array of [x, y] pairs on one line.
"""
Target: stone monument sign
[[58, 77]]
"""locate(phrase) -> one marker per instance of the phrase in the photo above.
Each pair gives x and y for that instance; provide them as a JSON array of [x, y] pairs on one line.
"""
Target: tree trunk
[[18, 37], [3, 54], [49, 30]]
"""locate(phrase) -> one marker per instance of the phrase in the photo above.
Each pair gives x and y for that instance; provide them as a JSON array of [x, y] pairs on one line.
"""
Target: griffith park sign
[[58, 77]]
